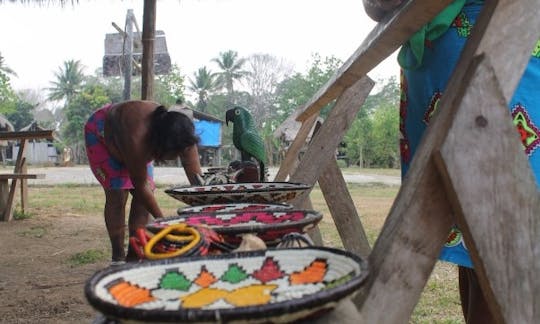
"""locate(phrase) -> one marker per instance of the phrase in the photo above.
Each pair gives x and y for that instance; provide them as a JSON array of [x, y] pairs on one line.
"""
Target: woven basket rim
[[310, 217], [294, 186], [329, 296]]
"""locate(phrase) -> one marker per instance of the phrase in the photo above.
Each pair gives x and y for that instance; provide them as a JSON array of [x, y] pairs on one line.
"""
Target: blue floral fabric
[[422, 88]]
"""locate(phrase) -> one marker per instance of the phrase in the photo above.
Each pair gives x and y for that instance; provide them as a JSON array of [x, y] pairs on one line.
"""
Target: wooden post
[[24, 185], [128, 54], [494, 196], [418, 224], [290, 162], [321, 152], [18, 166], [149, 31], [343, 210], [4, 197]]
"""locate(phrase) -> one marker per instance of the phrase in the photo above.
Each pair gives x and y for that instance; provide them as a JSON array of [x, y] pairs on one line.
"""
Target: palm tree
[[69, 80], [203, 84], [4, 68], [231, 70]]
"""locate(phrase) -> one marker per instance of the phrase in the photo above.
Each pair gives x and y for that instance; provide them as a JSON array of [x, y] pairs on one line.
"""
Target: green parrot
[[246, 138]]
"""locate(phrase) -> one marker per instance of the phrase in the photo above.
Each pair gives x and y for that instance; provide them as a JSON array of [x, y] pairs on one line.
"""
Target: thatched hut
[[286, 132]]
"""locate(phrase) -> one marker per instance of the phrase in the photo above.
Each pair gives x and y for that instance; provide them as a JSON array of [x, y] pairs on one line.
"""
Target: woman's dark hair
[[171, 132]]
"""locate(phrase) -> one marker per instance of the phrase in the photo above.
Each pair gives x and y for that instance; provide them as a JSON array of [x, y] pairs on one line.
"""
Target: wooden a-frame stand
[[470, 169]]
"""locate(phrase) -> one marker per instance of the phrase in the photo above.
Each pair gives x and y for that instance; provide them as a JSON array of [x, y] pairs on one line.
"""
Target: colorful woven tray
[[271, 286], [269, 225], [254, 192], [236, 207]]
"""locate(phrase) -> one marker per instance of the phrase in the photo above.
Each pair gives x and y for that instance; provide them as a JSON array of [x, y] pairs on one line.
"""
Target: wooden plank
[[494, 194], [45, 134], [6, 176], [383, 40], [408, 245], [323, 145], [343, 210], [290, 162]]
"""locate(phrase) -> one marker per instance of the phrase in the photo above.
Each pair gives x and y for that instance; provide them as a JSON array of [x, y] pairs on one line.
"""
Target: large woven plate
[[236, 207], [269, 225], [272, 286], [253, 192]]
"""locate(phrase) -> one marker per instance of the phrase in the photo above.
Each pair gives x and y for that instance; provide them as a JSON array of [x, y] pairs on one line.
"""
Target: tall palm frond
[[4, 68], [203, 84], [69, 80], [231, 70]]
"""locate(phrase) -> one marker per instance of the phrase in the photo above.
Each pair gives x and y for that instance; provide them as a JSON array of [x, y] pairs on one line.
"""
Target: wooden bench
[[7, 191], [6, 199]]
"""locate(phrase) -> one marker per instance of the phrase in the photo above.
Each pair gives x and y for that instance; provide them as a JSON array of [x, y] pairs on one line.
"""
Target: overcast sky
[[35, 40]]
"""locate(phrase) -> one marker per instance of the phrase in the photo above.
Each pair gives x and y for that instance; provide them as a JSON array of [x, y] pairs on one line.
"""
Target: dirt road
[[172, 176]]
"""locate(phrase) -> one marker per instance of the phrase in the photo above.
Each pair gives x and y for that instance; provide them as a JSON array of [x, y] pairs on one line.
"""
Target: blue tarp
[[208, 132]]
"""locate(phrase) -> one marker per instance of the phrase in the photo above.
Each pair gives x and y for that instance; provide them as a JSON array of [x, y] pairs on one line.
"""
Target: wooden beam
[[386, 38], [7, 176], [323, 145], [494, 194], [343, 210], [148, 38], [416, 227], [45, 134], [21, 160], [290, 162]]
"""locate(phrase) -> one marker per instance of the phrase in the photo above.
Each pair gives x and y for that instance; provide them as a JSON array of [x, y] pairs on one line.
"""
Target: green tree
[[8, 99], [69, 80], [4, 68], [299, 88], [230, 66], [203, 85], [76, 113], [372, 140], [169, 87], [22, 115]]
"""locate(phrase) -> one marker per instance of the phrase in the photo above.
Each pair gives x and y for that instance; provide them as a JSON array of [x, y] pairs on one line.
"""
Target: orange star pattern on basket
[[129, 295], [314, 273]]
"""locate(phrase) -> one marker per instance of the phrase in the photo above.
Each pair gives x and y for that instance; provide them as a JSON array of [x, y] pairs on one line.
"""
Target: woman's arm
[[192, 165], [377, 9]]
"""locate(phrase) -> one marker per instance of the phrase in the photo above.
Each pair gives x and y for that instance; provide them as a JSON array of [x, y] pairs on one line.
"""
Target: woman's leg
[[115, 221], [138, 217], [473, 303]]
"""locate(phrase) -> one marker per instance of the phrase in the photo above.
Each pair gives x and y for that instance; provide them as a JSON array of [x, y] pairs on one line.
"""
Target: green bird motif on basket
[[246, 138]]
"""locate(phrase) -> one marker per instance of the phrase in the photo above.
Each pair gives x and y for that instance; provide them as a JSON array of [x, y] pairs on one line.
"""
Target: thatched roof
[[43, 2], [5, 125]]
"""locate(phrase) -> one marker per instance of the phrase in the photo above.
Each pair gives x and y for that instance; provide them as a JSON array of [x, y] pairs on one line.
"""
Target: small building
[[37, 151], [210, 132]]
